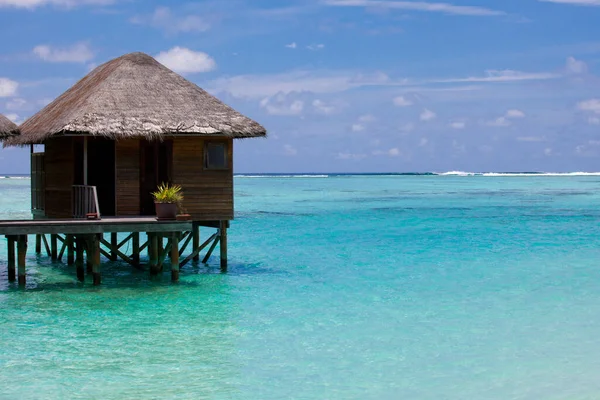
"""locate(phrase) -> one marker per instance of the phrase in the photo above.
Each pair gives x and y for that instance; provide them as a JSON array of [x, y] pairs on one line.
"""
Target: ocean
[[421, 286]]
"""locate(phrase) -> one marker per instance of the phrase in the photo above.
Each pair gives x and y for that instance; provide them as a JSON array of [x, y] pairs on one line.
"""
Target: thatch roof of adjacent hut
[[135, 96], [7, 127]]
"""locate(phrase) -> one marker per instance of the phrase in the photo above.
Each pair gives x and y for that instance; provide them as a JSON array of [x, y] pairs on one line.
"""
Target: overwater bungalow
[[107, 143]]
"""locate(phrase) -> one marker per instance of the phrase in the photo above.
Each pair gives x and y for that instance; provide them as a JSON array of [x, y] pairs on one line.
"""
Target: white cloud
[[423, 142], [506, 75], [163, 18], [289, 150], [592, 105], [8, 87], [186, 61], [281, 105], [427, 115], [292, 45], [594, 121], [531, 139], [367, 118], [500, 122], [315, 47], [322, 108], [515, 114], [350, 156], [393, 152], [417, 6], [296, 81], [31, 4], [16, 104], [402, 101], [548, 151], [575, 67], [13, 117], [575, 2], [458, 125], [408, 127], [357, 127], [77, 53]]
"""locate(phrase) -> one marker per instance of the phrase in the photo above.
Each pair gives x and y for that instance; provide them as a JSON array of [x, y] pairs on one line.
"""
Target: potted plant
[[166, 200]]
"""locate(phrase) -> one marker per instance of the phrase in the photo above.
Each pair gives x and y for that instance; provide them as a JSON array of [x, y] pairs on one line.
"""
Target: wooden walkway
[[81, 237]]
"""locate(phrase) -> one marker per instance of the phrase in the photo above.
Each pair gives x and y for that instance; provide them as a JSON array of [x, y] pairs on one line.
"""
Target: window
[[215, 156]]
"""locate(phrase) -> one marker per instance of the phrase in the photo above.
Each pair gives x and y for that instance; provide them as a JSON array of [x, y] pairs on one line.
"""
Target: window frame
[[205, 163]]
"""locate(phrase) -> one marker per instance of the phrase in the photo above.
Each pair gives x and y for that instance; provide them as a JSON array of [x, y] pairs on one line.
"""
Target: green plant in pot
[[166, 200]]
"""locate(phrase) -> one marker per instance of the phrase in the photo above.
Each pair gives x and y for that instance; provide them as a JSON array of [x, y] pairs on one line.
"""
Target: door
[[156, 164], [101, 173]]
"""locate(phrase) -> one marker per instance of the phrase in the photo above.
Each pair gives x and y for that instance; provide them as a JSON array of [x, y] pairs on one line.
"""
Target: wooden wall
[[208, 194], [59, 168], [128, 177]]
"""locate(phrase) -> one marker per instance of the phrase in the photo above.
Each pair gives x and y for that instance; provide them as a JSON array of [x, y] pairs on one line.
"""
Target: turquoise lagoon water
[[342, 287]]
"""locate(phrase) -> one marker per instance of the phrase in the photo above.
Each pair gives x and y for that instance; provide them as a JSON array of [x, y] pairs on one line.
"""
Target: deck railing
[[85, 201]]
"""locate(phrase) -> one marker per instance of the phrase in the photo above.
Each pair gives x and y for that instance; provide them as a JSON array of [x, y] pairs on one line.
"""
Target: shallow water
[[346, 287]]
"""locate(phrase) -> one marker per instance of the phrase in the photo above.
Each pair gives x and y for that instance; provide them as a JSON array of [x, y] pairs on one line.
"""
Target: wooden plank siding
[[128, 177], [58, 162], [208, 194]]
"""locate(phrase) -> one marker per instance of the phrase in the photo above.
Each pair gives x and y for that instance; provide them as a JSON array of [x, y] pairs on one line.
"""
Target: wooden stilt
[[38, 244], [70, 250], [175, 257], [95, 242], [46, 246], [198, 250], [54, 247], [22, 252], [135, 244], [184, 246], [12, 273], [196, 240], [153, 249], [89, 256], [211, 249], [223, 236], [79, 250], [113, 246], [160, 251]]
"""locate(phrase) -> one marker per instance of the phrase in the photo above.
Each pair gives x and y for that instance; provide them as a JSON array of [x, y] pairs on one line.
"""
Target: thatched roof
[[7, 127], [135, 96]]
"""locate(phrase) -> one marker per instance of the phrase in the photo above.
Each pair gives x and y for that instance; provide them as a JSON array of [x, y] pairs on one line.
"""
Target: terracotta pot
[[166, 211]]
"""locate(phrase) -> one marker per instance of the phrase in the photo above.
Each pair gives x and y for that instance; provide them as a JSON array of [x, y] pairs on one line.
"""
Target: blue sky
[[342, 85]]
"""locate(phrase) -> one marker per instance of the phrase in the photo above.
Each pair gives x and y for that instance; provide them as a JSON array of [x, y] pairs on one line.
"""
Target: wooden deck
[[104, 225]]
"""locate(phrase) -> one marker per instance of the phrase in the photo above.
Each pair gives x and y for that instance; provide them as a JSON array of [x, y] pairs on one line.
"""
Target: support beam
[[89, 255], [46, 245], [196, 242], [153, 253], [38, 244], [175, 257], [54, 247], [124, 241], [211, 249], [70, 250], [62, 249], [22, 253], [162, 256], [223, 247], [113, 246], [117, 252], [135, 244], [95, 242], [79, 259], [197, 251], [12, 273], [188, 237]]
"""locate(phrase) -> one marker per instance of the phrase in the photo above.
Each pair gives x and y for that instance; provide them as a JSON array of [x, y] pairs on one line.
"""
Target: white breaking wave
[[501, 174]]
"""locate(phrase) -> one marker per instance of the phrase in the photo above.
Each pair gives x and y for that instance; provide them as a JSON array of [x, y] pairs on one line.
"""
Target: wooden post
[[79, 260], [196, 240], [223, 247], [89, 256], [113, 246], [22, 252], [175, 257], [95, 242], [153, 250], [54, 247], [38, 244], [135, 244], [70, 250], [12, 273], [160, 251]]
